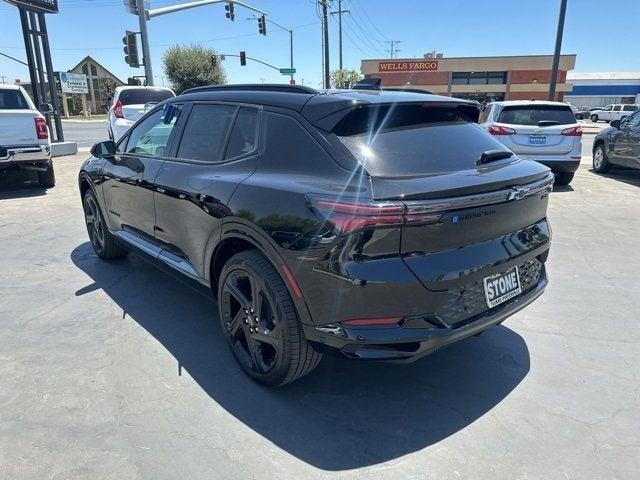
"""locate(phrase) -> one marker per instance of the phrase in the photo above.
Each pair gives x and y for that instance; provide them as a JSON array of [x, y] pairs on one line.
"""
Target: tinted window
[[205, 132], [617, 108], [150, 137], [12, 100], [633, 120], [141, 96], [243, 137], [533, 114], [630, 108], [415, 139]]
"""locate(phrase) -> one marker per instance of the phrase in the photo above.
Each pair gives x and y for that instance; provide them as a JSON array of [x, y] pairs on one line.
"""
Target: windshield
[[534, 114], [141, 96], [12, 100], [413, 140]]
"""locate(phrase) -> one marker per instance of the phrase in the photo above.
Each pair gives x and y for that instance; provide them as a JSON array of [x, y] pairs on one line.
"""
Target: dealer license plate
[[536, 140], [502, 287]]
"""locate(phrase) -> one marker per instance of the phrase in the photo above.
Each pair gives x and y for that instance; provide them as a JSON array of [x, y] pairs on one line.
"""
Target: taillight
[[500, 130], [572, 132], [42, 131], [117, 109], [348, 215]]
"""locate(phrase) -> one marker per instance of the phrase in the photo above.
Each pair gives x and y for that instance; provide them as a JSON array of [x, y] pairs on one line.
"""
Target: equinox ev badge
[[471, 216]]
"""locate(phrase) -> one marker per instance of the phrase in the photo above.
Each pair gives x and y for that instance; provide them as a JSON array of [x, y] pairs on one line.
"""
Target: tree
[[344, 78], [191, 66]]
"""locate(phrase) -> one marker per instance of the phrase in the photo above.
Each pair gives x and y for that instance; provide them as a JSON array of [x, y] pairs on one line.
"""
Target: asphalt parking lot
[[119, 371]]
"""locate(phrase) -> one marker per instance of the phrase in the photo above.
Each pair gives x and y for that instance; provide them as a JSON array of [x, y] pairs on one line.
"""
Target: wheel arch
[[235, 237]]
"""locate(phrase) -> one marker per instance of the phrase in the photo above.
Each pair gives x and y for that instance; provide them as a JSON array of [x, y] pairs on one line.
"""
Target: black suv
[[384, 225]]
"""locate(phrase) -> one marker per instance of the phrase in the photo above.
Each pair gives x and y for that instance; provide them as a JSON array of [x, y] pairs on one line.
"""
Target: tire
[[102, 241], [47, 179], [564, 178], [594, 118], [600, 160], [260, 322]]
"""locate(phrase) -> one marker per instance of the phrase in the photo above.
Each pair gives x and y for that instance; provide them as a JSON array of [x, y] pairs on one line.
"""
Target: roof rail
[[264, 87], [409, 89]]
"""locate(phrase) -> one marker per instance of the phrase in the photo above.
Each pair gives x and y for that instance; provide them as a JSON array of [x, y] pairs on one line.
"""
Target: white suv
[[612, 112], [129, 104], [546, 132]]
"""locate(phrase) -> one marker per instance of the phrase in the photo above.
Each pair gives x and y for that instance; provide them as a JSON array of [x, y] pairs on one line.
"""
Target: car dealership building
[[478, 78], [597, 89]]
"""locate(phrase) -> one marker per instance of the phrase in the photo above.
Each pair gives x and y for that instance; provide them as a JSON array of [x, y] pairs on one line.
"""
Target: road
[[85, 134], [117, 370]]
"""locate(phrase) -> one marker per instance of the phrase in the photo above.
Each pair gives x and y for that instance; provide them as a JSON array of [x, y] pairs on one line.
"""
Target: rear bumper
[[25, 157], [556, 164], [406, 343]]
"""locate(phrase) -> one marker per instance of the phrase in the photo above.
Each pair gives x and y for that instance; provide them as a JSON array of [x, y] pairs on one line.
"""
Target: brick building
[[478, 78]]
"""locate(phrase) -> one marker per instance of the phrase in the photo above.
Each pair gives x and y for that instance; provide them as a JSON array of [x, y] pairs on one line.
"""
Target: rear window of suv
[[534, 114], [142, 96], [13, 100], [415, 139]]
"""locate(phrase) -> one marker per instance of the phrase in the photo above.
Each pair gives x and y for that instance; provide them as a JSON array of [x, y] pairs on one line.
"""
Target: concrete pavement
[[119, 371]]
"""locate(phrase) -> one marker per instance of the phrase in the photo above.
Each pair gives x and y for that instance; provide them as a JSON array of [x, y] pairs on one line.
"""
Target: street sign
[[287, 71], [45, 6], [73, 82]]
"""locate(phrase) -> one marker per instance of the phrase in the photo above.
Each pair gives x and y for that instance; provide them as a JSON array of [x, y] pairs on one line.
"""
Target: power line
[[359, 6]]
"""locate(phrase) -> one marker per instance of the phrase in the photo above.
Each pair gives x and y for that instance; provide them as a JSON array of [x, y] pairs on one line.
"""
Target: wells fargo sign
[[408, 66]]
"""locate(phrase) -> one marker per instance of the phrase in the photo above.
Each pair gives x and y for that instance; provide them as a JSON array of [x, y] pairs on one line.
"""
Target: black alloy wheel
[[95, 225], [260, 321], [102, 241]]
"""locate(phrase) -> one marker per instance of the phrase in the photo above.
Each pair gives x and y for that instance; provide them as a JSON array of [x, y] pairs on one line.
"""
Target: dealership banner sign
[[73, 83], [46, 6], [408, 66]]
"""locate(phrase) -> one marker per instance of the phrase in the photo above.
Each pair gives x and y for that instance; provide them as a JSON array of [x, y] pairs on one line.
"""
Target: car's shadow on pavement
[[345, 414], [20, 184], [629, 176]]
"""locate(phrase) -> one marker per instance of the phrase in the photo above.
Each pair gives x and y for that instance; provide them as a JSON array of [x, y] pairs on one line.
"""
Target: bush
[[344, 78], [191, 66]]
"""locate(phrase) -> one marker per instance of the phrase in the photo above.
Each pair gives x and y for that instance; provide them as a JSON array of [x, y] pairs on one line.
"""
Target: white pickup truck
[[24, 135], [612, 112]]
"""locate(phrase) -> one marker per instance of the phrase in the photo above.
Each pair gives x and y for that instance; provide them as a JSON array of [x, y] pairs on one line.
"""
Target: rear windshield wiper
[[493, 155], [548, 123]]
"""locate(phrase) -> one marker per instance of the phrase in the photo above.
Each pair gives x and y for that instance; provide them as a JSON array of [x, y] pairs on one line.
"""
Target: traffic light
[[131, 49], [214, 61], [229, 7], [243, 59], [262, 25]]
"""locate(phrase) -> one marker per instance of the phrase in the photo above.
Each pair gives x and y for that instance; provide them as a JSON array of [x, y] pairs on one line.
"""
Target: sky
[[457, 28]]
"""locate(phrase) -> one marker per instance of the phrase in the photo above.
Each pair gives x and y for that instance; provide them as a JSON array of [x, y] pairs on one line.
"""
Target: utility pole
[[144, 39], [339, 13], [3, 77], [325, 25], [556, 53], [392, 50]]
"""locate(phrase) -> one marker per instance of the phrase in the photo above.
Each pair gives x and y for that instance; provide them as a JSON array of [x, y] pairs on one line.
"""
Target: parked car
[[24, 134], [129, 104], [546, 132], [613, 112], [618, 145], [385, 225]]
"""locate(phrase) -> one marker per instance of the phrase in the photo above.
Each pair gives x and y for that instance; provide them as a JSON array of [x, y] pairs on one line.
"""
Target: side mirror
[[615, 123], [45, 109], [106, 149]]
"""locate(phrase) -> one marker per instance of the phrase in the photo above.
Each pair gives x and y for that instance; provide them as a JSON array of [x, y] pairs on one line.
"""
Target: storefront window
[[479, 78]]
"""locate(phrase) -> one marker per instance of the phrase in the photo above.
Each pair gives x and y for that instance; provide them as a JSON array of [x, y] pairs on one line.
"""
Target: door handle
[[160, 190]]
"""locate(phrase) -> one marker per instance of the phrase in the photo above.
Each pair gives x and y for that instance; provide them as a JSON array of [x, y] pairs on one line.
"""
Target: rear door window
[[13, 100], [630, 108], [412, 140], [534, 114], [243, 136], [142, 96], [205, 132]]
